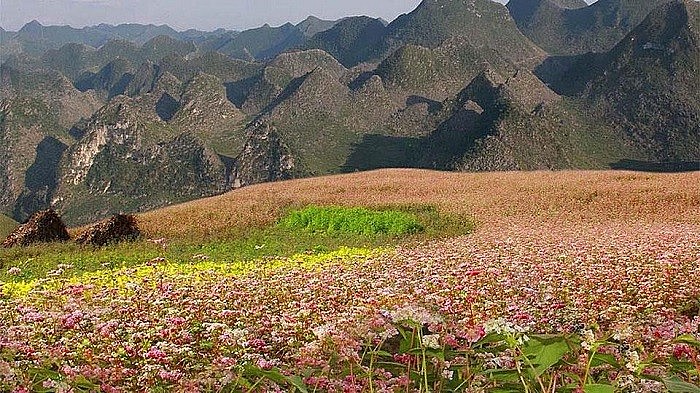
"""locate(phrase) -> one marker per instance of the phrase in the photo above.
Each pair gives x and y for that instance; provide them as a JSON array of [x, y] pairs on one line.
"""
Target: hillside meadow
[[573, 197], [492, 282], [7, 225]]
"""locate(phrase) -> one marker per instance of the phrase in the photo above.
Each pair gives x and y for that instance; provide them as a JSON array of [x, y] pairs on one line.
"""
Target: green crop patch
[[352, 220]]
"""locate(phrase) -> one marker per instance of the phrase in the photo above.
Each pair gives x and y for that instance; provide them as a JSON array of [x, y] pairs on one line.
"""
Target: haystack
[[43, 227], [117, 229]]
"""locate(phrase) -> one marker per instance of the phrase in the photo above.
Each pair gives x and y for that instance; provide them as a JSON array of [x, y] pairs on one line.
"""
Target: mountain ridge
[[127, 127]]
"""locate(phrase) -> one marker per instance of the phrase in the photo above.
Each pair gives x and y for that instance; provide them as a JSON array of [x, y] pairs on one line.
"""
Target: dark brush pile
[[119, 228], [43, 227]]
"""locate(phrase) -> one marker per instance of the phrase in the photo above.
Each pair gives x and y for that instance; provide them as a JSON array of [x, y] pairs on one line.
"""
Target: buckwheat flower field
[[571, 282]]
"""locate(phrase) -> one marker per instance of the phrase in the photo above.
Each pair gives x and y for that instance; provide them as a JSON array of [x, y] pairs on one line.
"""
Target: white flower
[[432, 341], [501, 326], [323, 331], [633, 360], [417, 315], [56, 273], [623, 334], [448, 374], [588, 339], [14, 271]]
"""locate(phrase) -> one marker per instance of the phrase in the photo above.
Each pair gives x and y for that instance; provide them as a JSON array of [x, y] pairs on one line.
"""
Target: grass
[[392, 225], [7, 225]]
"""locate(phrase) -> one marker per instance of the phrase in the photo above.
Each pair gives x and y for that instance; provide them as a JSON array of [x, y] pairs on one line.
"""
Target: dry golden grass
[[507, 198]]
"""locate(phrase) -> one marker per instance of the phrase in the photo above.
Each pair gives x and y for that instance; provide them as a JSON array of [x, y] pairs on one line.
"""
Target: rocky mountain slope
[[351, 41], [453, 85], [565, 28], [650, 83], [130, 158]]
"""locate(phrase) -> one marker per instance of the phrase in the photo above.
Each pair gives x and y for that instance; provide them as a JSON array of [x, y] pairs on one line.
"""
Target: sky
[[199, 14]]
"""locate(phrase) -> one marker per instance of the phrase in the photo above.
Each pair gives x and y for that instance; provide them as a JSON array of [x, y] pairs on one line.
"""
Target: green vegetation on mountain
[[264, 42], [313, 25], [351, 41], [279, 74], [484, 22], [649, 83], [212, 63], [500, 123], [562, 30], [440, 72], [162, 46], [204, 111], [311, 121]]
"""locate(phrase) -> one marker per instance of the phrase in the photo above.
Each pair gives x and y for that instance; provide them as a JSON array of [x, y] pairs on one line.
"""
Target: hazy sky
[[200, 14]]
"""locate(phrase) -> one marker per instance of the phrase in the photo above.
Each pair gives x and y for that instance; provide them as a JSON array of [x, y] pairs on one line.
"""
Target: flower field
[[570, 302]]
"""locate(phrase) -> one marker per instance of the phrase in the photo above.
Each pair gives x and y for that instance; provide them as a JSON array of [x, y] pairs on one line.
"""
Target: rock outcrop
[[265, 158]]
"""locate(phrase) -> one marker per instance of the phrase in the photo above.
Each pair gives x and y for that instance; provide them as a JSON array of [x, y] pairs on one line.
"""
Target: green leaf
[[407, 340], [83, 383], [380, 354], [502, 375], [688, 339], [603, 358], [598, 388], [545, 352], [490, 338], [297, 382], [508, 389], [44, 374], [435, 353], [416, 377], [277, 377], [676, 385], [682, 366]]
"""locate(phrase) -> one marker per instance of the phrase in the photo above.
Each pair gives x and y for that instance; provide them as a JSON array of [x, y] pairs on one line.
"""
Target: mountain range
[[109, 119]]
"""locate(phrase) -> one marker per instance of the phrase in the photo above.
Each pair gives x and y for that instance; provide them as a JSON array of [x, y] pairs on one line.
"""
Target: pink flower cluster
[[189, 333]]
